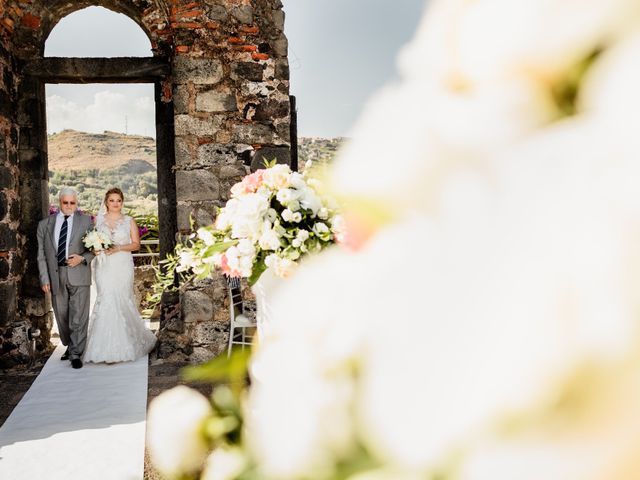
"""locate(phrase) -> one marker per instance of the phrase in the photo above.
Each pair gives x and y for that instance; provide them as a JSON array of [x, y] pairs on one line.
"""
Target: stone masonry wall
[[14, 345], [229, 91]]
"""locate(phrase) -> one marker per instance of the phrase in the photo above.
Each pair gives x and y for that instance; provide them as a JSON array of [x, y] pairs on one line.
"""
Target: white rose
[[246, 247], [287, 215], [302, 235], [174, 438], [277, 177], [296, 242], [206, 236], [297, 181], [272, 215], [187, 260], [296, 217], [310, 201], [320, 229], [323, 213], [269, 240], [286, 195], [294, 205]]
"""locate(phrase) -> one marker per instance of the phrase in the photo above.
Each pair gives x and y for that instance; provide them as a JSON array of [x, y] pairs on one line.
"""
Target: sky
[[340, 52]]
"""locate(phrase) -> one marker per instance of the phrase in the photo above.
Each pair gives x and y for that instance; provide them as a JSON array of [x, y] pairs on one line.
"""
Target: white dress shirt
[[56, 231]]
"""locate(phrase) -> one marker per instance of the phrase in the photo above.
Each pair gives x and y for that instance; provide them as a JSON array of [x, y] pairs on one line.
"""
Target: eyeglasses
[[68, 203]]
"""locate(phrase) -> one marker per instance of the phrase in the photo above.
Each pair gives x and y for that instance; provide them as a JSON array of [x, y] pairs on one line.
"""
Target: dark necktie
[[62, 243]]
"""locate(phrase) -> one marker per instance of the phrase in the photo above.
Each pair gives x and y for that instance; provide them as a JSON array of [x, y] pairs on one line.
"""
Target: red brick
[[187, 25], [234, 40], [182, 48], [190, 14], [189, 6], [8, 22], [212, 25], [167, 93], [260, 56], [246, 48], [31, 21], [250, 30]]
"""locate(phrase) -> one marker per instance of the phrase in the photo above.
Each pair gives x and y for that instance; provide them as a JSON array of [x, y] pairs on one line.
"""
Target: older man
[[63, 261]]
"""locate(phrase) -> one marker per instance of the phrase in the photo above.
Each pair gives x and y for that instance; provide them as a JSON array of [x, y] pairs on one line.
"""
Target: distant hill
[[72, 150], [318, 149], [93, 162]]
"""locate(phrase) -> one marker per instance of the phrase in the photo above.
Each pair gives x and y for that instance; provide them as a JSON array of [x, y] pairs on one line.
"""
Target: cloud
[[108, 110]]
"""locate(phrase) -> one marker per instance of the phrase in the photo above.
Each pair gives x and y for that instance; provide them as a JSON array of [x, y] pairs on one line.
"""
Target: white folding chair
[[242, 318]]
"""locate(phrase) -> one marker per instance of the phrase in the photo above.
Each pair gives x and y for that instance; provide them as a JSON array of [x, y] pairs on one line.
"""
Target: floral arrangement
[[273, 218], [97, 240]]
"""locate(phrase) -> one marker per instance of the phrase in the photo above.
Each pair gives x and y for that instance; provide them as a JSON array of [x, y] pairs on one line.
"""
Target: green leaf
[[258, 269], [220, 369], [219, 247]]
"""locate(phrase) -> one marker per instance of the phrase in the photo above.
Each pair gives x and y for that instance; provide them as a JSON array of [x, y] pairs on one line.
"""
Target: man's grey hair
[[66, 191]]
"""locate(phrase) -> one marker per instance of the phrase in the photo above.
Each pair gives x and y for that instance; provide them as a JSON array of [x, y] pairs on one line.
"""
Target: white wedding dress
[[116, 331]]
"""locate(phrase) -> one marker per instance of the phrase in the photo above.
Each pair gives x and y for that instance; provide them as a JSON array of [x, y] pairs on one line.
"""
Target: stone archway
[[220, 71]]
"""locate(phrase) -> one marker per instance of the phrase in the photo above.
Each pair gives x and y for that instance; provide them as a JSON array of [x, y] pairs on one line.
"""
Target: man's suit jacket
[[47, 250]]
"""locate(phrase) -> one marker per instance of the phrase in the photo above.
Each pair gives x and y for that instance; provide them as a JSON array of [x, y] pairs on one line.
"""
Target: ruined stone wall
[[14, 345], [229, 94]]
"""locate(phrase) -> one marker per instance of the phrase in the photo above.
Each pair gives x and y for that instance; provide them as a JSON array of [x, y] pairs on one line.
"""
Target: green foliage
[[140, 190], [165, 272]]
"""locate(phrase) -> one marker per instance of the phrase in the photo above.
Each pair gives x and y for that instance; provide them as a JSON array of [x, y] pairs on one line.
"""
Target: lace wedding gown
[[116, 331]]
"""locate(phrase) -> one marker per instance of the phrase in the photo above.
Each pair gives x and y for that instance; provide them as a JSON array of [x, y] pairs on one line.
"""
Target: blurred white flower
[[224, 464], [174, 431]]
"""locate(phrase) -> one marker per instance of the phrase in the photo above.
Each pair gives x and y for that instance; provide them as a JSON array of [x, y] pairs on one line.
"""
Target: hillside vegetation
[[92, 163]]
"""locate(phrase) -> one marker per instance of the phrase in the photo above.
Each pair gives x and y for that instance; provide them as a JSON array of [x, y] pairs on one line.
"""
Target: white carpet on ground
[[87, 423]]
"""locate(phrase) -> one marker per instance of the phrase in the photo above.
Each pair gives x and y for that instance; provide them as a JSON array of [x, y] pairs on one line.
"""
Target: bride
[[116, 331]]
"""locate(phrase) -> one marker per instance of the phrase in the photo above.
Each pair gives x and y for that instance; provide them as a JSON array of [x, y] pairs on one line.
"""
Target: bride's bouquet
[[97, 241], [274, 217]]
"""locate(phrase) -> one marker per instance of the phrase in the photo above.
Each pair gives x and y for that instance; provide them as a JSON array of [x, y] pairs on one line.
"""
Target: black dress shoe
[[76, 363], [65, 355]]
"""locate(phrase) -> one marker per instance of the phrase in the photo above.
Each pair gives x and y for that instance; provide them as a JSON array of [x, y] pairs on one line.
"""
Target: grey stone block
[[8, 294], [216, 154], [252, 133], [197, 306], [196, 185], [248, 70], [280, 46], [8, 237], [243, 13], [205, 71], [7, 180], [278, 20], [213, 101], [180, 99], [188, 125], [217, 13], [183, 152]]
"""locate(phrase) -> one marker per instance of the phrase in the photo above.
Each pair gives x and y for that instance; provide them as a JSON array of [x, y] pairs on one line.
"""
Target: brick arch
[[35, 26]]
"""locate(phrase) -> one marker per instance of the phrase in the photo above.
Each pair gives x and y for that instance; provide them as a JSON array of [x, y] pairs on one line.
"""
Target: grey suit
[[69, 285]]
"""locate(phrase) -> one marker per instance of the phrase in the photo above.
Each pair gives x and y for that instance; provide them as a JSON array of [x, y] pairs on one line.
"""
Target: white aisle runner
[[78, 424]]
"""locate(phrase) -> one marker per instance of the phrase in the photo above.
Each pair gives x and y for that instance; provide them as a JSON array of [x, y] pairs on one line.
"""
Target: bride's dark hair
[[111, 191]]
